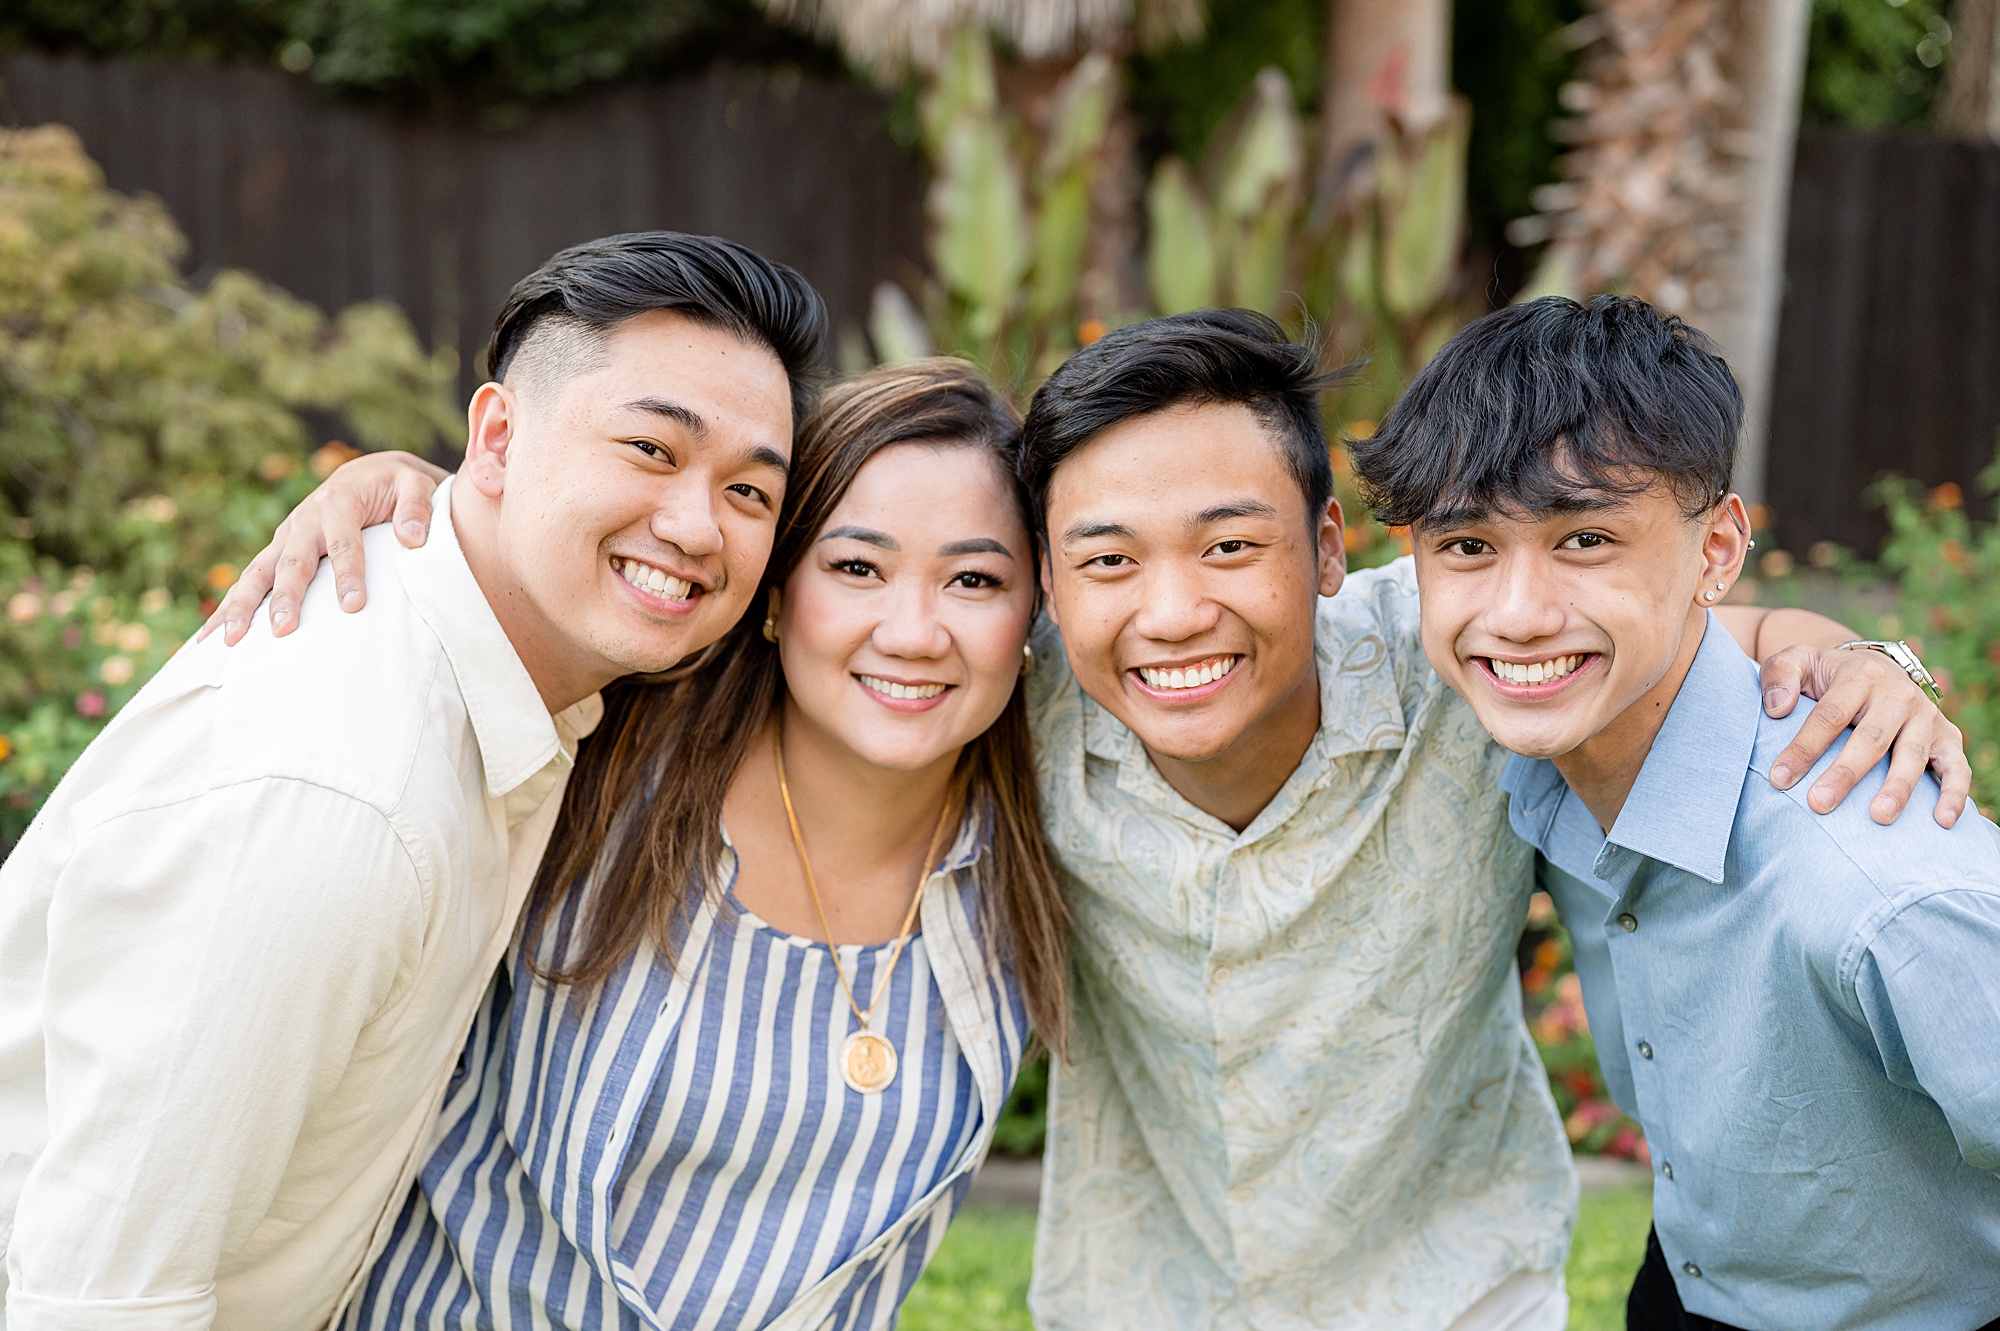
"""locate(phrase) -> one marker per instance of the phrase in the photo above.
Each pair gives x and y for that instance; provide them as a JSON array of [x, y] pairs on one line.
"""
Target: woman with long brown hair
[[797, 922]]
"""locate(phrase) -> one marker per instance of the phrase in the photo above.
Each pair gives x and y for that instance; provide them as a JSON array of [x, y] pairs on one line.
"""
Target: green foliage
[[1024, 1118], [151, 435], [1509, 64], [1009, 218], [1184, 93], [1947, 568], [1875, 64], [491, 52]]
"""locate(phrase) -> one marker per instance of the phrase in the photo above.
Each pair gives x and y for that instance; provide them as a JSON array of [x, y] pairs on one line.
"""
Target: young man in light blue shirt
[[1801, 1009]]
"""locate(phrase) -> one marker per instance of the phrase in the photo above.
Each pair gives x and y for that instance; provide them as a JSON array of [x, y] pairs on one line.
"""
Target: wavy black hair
[[1552, 407]]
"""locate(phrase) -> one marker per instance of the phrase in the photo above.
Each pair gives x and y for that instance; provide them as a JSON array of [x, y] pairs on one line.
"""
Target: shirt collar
[[1682, 808], [516, 735]]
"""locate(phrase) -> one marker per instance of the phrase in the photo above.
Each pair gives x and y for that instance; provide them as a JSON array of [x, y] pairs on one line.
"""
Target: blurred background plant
[[151, 435]]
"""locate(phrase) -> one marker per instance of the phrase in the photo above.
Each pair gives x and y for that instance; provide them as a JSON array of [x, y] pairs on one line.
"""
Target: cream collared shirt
[[242, 944]]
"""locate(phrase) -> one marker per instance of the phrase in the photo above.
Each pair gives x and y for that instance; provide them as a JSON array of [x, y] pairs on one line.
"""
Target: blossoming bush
[[151, 435]]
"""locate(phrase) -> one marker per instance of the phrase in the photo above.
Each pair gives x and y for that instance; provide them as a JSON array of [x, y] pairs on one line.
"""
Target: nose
[[1173, 604], [685, 517], [1527, 601], [910, 629]]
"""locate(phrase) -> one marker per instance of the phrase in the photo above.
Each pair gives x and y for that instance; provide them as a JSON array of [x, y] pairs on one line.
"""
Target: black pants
[[1655, 1303]]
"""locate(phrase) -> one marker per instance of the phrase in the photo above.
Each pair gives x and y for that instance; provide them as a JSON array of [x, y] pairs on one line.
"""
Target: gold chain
[[909, 919]]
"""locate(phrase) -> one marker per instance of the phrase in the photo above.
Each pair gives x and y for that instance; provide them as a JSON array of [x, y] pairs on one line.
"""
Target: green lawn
[[979, 1281]]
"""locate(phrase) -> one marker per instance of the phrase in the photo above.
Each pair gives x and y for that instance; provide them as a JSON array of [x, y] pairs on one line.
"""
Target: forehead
[[665, 353], [1181, 459], [922, 487]]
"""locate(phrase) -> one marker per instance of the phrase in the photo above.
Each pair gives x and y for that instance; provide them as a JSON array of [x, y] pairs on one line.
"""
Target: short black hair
[[1554, 406], [1206, 356], [602, 283]]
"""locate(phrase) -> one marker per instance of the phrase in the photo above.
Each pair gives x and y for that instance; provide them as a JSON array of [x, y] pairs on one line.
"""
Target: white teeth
[[649, 579], [889, 688], [1536, 672], [1188, 677]]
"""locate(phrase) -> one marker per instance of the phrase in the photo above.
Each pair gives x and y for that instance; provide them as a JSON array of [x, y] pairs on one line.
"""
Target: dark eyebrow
[[763, 455], [1086, 531], [688, 420], [1237, 508], [978, 545], [866, 535]]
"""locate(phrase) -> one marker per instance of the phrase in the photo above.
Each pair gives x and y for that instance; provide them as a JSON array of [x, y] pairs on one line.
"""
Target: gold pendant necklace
[[867, 1060]]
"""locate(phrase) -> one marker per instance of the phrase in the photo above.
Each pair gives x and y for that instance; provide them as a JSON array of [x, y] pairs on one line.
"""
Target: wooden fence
[[1889, 344], [339, 203]]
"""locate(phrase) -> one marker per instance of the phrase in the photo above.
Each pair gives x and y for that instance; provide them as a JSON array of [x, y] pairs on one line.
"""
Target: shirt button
[[1222, 975], [1627, 923], [1691, 1269], [1667, 1168], [1645, 1050]]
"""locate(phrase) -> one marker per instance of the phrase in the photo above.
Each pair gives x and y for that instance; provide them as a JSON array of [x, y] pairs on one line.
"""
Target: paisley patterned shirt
[[1301, 1095]]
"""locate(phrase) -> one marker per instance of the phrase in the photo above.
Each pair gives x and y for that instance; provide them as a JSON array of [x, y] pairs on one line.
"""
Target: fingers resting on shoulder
[[1889, 715], [381, 487]]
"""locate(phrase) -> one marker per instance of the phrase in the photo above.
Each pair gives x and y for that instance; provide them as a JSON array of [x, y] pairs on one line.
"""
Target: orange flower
[[1361, 429], [6, 748], [1357, 538], [1090, 330], [1954, 554], [221, 577], [330, 457], [1948, 495]]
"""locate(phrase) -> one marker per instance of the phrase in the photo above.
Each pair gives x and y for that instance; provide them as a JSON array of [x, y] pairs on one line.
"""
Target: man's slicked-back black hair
[[1553, 406], [1207, 356], [601, 283]]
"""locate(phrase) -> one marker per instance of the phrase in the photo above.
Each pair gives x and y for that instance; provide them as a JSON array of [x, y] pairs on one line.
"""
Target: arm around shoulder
[[211, 963]]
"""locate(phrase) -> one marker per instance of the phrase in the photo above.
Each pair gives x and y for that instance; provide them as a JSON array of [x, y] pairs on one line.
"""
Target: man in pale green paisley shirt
[[1301, 1093]]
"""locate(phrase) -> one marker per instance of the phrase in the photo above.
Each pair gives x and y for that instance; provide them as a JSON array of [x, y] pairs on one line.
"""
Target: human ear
[[490, 421], [1724, 548], [1332, 548]]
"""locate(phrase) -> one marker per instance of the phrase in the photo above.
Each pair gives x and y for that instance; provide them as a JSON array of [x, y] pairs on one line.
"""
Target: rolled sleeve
[[1928, 985], [212, 963]]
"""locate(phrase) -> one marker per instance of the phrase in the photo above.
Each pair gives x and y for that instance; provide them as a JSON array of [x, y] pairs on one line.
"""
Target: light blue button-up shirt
[[1802, 1010]]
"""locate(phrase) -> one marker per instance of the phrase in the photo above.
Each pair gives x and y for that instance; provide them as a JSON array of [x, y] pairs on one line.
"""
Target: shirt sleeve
[[1929, 987], [211, 964]]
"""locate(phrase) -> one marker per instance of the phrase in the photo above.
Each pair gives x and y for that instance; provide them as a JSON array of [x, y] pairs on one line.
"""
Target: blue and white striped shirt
[[679, 1151]]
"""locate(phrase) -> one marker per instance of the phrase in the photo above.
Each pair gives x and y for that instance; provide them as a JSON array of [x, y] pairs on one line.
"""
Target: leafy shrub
[[1947, 569], [151, 435]]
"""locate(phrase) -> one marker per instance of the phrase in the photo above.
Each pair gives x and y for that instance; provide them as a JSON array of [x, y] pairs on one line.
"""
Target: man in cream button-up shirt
[[241, 945], [228, 1115]]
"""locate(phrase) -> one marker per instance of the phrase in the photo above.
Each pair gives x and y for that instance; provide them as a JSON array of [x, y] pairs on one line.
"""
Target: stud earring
[[1708, 596], [1027, 659], [770, 628]]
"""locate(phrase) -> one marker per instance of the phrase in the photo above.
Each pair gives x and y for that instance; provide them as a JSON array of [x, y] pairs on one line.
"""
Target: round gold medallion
[[867, 1062]]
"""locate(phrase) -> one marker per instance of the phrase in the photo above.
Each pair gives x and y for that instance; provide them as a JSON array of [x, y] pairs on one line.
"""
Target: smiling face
[[901, 629], [630, 502], [1573, 629], [1183, 571]]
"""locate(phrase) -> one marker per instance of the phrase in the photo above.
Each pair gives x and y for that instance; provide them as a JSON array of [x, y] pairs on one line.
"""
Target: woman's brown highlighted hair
[[644, 806]]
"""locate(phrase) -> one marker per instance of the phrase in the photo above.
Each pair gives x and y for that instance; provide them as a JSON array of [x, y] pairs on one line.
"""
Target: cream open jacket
[[241, 947]]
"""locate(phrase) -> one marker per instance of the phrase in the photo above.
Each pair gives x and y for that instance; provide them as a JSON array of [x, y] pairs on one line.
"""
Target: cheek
[[820, 629]]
